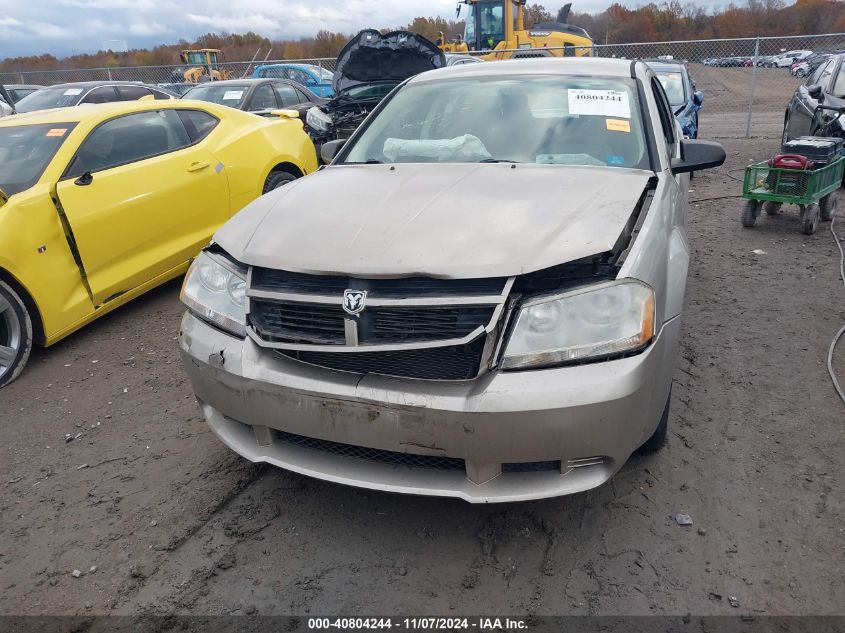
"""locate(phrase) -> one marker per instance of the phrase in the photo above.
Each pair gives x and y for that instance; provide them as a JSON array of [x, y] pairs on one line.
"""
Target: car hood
[[457, 220], [371, 56]]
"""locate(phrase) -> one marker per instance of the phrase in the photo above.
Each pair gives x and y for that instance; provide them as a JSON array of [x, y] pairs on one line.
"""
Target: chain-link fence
[[747, 82]]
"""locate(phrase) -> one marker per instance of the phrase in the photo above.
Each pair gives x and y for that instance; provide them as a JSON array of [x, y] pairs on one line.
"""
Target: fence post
[[753, 82], [108, 70]]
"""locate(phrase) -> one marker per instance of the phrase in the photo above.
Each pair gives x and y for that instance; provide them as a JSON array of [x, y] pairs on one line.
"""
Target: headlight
[[590, 322], [216, 292], [318, 120]]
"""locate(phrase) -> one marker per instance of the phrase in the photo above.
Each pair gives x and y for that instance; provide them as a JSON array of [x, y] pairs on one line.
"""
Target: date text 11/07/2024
[[419, 624]]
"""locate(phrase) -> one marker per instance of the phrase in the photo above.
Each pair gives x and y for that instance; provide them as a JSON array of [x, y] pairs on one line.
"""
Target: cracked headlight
[[215, 291], [591, 322], [318, 120]]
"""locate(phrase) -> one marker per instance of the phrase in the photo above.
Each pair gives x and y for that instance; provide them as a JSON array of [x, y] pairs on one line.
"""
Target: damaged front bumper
[[506, 436]]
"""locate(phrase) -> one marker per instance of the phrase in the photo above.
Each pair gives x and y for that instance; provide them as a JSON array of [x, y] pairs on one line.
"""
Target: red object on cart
[[791, 161]]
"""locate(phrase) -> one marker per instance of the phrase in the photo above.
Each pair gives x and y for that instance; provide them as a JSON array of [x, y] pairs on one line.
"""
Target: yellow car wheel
[[15, 334]]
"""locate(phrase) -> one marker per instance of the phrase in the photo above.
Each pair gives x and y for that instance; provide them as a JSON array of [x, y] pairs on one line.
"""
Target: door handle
[[197, 166]]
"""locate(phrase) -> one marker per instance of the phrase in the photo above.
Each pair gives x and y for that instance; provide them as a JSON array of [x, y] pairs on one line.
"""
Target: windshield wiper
[[369, 161], [498, 160]]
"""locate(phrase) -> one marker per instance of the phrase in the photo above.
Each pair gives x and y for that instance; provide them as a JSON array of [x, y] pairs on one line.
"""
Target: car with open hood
[[480, 297], [368, 68], [825, 85]]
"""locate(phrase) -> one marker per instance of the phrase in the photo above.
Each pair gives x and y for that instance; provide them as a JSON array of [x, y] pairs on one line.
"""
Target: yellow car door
[[141, 196]]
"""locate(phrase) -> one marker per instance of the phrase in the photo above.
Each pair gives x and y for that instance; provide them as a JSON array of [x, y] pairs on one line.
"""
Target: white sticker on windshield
[[72, 92], [607, 103], [233, 95]]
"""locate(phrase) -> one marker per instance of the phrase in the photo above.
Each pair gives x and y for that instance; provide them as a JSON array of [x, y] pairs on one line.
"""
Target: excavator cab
[[200, 63], [496, 28], [485, 24]]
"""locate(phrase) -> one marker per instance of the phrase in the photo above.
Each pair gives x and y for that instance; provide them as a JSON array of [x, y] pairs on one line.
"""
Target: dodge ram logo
[[354, 300]]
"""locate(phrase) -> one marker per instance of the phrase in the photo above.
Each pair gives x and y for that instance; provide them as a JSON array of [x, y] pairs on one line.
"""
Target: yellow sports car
[[101, 203]]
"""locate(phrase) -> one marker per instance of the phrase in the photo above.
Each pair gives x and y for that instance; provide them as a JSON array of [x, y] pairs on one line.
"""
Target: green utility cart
[[813, 190]]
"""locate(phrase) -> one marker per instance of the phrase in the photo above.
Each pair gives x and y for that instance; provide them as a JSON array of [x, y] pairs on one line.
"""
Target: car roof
[[94, 84], [96, 111], [301, 66], [573, 66], [245, 81], [666, 66], [18, 86]]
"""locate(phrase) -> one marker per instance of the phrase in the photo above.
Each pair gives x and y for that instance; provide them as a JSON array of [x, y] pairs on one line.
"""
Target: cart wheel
[[827, 207], [750, 213], [809, 218], [772, 208]]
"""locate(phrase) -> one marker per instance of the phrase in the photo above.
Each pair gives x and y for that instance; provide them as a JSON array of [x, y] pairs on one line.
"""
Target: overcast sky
[[64, 27]]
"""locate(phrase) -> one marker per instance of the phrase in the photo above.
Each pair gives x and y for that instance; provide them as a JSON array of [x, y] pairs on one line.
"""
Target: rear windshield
[[524, 119], [673, 84], [25, 152], [51, 98], [232, 96]]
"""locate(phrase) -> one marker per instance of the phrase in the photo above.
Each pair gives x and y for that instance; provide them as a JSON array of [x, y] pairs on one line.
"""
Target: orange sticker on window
[[618, 125], [57, 131]]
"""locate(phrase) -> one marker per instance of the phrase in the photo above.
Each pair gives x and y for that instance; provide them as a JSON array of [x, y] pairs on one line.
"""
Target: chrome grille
[[414, 327]]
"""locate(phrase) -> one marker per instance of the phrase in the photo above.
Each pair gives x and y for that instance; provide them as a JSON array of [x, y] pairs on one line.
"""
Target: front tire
[[809, 219], [15, 334], [658, 438], [750, 213], [277, 179]]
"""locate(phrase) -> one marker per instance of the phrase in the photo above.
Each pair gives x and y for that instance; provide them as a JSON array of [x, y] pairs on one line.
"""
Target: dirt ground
[[107, 469]]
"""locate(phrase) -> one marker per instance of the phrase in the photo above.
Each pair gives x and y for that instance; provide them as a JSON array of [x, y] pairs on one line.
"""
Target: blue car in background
[[680, 89], [317, 79]]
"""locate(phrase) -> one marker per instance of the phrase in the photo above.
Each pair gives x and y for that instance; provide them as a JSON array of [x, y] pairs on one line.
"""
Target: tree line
[[617, 24]]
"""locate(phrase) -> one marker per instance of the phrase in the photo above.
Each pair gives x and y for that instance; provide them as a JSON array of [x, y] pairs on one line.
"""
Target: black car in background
[[824, 85], [71, 94], [260, 96], [368, 68]]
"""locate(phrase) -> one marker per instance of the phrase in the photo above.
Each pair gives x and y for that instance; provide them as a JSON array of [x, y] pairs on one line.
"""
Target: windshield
[[25, 152], [526, 119], [673, 84], [369, 91], [228, 95], [485, 25], [51, 98]]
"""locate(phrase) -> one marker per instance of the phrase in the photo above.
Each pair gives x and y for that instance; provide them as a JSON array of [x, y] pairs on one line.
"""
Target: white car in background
[[785, 60]]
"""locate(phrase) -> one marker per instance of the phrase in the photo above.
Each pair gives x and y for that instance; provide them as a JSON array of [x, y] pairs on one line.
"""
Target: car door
[[803, 105], [263, 99], [141, 196], [672, 199]]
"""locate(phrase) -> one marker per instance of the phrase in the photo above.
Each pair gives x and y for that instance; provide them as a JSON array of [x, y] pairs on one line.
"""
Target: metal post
[[108, 70], [753, 82]]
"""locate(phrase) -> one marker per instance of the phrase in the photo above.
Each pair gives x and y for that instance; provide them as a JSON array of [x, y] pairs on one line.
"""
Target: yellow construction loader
[[496, 29], [201, 62]]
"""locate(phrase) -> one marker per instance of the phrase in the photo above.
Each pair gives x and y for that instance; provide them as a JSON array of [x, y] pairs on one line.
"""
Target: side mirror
[[146, 98], [4, 198], [696, 155], [331, 149], [285, 113], [698, 98], [816, 92]]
